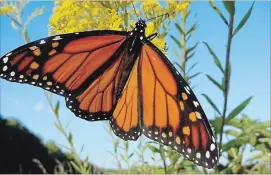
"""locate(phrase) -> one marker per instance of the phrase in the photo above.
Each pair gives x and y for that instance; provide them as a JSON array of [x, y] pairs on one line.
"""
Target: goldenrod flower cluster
[[76, 16], [6, 9]]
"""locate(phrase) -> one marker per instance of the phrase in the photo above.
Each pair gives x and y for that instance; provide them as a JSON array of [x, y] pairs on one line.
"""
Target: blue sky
[[250, 59]]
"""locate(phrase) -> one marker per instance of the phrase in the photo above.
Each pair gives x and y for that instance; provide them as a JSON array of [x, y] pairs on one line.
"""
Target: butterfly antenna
[[166, 15], [135, 10]]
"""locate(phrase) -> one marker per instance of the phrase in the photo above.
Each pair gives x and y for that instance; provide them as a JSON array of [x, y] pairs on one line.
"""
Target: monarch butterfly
[[122, 77]]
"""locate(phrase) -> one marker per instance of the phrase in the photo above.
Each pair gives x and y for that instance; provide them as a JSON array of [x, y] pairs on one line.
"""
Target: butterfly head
[[140, 26]]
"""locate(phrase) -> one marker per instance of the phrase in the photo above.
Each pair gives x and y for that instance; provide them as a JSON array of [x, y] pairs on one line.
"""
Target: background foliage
[[235, 131]]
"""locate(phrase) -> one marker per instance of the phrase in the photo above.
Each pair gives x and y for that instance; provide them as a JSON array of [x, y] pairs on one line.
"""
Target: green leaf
[[130, 155], [230, 6], [192, 67], [234, 143], [218, 12], [233, 133], [191, 30], [238, 109], [190, 56], [56, 110], [123, 158], [262, 125], [235, 123], [215, 82], [85, 164], [176, 41], [116, 144], [153, 149], [25, 35], [216, 123], [179, 66], [58, 127], [263, 148], [216, 60], [244, 20], [212, 103], [190, 49], [194, 75], [252, 138], [70, 137], [186, 15], [76, 167], [179, 28], [126, 145]]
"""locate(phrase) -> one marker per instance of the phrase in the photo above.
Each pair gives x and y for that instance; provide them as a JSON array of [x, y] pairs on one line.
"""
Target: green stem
[[183, 36], [162, 154], [226, 78]]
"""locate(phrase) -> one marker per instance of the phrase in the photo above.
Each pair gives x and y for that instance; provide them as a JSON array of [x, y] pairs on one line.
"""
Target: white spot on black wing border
[[133, 134]]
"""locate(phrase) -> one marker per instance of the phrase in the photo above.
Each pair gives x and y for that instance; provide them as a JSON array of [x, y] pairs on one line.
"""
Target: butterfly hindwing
[[171, 114]]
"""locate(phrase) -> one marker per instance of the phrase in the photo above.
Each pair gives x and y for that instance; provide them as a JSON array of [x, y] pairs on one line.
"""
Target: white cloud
[[39, 107]]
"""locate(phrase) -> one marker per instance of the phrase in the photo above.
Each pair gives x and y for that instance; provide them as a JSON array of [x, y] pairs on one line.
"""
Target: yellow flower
[[7, 9], [182, 7]]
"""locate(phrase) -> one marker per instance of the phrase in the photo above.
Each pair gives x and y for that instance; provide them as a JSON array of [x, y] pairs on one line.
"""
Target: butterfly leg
[[152, 36]]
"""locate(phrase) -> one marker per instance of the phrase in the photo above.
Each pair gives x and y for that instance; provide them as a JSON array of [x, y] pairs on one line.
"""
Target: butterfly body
[[121, 77]]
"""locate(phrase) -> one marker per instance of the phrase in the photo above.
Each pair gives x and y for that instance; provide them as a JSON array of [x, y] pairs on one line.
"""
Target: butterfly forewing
[[80, 66]]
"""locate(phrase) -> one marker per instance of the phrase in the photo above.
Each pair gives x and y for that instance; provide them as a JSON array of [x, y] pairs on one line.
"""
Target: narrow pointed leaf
[[130, 155], [238, 109], [176, 41], [191, 49], [218, 12], [179, 28], [58, 127], [186, 15], [216, 60], [191, 30], [176, 53], [190, 56], [179, 66], [215, 82], [56, 110], [194, 75], [244, 20], [212, 103], [230, 6], [154, 149], [76, 167], [191, 68], [70, 137]]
